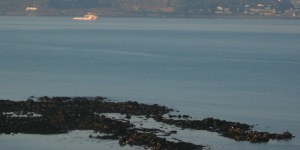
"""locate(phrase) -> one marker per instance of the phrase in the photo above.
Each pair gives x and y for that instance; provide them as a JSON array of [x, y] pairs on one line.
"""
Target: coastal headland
[[60, 115]]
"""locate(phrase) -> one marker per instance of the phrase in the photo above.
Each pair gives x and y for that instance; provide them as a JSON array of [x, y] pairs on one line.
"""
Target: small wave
[[192, 58], [187, 58], [253, 61]]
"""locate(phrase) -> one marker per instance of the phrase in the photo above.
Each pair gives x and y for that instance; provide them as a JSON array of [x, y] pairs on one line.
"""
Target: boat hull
[[88, 17]]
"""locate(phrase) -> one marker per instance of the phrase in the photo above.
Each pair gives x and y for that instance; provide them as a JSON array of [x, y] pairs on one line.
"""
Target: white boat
[[87, 17]]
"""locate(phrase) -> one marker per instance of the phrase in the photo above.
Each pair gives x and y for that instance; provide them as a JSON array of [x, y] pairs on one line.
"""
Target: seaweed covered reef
[[56, 115]]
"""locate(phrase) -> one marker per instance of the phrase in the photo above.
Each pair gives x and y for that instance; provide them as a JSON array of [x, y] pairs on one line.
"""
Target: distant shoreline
[[185, 17]]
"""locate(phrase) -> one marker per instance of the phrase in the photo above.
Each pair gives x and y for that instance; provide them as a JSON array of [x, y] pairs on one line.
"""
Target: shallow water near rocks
[[237, 70], [73, 140]]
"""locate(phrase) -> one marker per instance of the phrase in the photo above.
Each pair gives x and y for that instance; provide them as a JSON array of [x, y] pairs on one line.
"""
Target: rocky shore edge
[[56, 115]]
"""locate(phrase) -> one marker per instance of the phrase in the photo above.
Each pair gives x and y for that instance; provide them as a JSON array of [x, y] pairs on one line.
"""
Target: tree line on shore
[[143, 7]]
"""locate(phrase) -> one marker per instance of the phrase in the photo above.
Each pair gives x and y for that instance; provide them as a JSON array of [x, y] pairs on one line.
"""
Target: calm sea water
[[237, 70]]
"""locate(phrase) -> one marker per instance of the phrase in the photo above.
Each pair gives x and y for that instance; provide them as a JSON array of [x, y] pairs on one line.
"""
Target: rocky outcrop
[[56, 115], [233, 130]]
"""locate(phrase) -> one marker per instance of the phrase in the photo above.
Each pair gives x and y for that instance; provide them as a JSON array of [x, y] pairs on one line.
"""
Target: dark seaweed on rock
[[63, 114], [233, 130]]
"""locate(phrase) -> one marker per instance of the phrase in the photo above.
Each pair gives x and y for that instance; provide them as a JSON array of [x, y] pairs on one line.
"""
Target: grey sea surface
[[232, 69]]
